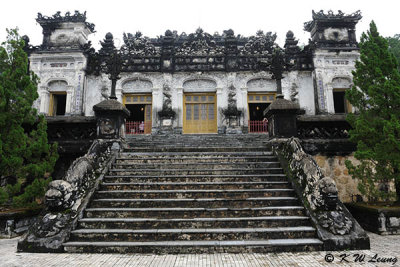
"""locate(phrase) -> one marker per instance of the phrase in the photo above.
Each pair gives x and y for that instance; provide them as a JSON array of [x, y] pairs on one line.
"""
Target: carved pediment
[[138, 45], [200, 84], [138, 85], [261, 84], [341, 82], [261, 43], [58, 86], [199, 43]]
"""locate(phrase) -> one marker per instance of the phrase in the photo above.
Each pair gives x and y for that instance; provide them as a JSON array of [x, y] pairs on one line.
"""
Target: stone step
[[194, 194], [197, 193], [176, 247], [218, 234], [189, 171], [178, 137], [194, 159], [174, 223], [194, 202], [193, 212], [203, 146], [200, 142], [193, 154], [198, 165], [196, 178], [221, 148], [185, 139], [191, 186]]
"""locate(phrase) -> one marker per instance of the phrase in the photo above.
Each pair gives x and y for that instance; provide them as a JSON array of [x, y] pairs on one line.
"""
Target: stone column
[[68, 102], [245, 110], [44, 101], [155, 107], [178, 106], [111, 116], [330, 106], [281, 115]]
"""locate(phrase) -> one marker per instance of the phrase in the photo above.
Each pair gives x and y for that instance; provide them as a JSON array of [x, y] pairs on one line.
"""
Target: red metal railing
[[258, 126], [137, 127]]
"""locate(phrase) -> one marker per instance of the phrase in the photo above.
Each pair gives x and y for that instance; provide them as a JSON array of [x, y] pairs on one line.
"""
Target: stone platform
[[383, 246]]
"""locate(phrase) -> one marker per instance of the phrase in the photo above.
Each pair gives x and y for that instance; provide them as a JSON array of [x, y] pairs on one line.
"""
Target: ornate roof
[[331, 17], [138, 45], [198, 51], [339, 16], [261, 44], [199, 43], [57, 18]]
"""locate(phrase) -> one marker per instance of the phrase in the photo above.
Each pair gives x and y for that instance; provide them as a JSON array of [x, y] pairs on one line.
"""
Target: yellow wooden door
[[200, 113]]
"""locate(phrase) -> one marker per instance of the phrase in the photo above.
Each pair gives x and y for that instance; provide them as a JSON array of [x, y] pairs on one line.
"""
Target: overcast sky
[[153, 17]]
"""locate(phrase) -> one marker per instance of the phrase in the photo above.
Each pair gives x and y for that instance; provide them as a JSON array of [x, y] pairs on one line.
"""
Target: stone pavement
[[384, 247]]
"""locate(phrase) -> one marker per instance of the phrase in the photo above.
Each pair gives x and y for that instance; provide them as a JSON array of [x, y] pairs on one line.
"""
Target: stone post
[[167, 52], [281, 116], [110, 115]]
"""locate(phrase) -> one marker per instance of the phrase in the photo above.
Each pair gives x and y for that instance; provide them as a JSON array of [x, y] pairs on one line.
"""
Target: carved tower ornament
[[261, 43], [167, 111], [137, 45], [199, 43]]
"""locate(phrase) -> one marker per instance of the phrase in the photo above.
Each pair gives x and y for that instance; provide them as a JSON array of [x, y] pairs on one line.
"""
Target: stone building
[[198, 82], [277, 191]]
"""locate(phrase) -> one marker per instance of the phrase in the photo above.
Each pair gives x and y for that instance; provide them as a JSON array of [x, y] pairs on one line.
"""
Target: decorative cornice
[[198, 51], [331, 17], [339, 16], [57, 18]]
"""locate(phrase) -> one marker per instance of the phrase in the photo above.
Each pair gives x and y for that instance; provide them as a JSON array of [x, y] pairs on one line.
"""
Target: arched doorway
[[199, 106], [200, 113], [58, 98], [140, 106]]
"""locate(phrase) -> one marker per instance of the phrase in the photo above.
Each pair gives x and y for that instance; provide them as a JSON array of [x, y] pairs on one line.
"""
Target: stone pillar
[[178, 107], [245, 110], [330, 105], [69, 100], [111, 116], [155, 107], [220, 102], [281, 116], [44, 101]]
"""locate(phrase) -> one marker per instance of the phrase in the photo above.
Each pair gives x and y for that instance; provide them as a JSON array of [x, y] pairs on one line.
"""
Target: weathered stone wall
[[334, 167]]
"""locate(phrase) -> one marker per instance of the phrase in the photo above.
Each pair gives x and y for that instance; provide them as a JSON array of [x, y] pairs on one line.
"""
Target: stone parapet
[[335, 225], [67, 198]]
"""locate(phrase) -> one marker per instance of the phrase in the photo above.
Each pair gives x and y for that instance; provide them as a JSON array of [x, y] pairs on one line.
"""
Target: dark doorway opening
[[339, 102], [137, 112], [256, 111], [60, 101]]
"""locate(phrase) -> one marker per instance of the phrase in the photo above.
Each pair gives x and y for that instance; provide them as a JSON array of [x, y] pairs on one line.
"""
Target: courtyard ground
[[383, 248]]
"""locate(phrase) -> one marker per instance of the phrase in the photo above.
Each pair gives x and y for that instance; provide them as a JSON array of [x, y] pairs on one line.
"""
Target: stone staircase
[[194, 194]]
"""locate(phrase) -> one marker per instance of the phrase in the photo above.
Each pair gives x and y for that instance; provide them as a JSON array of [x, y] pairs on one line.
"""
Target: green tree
[[394, 46], [24, 151], [376, 129]]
